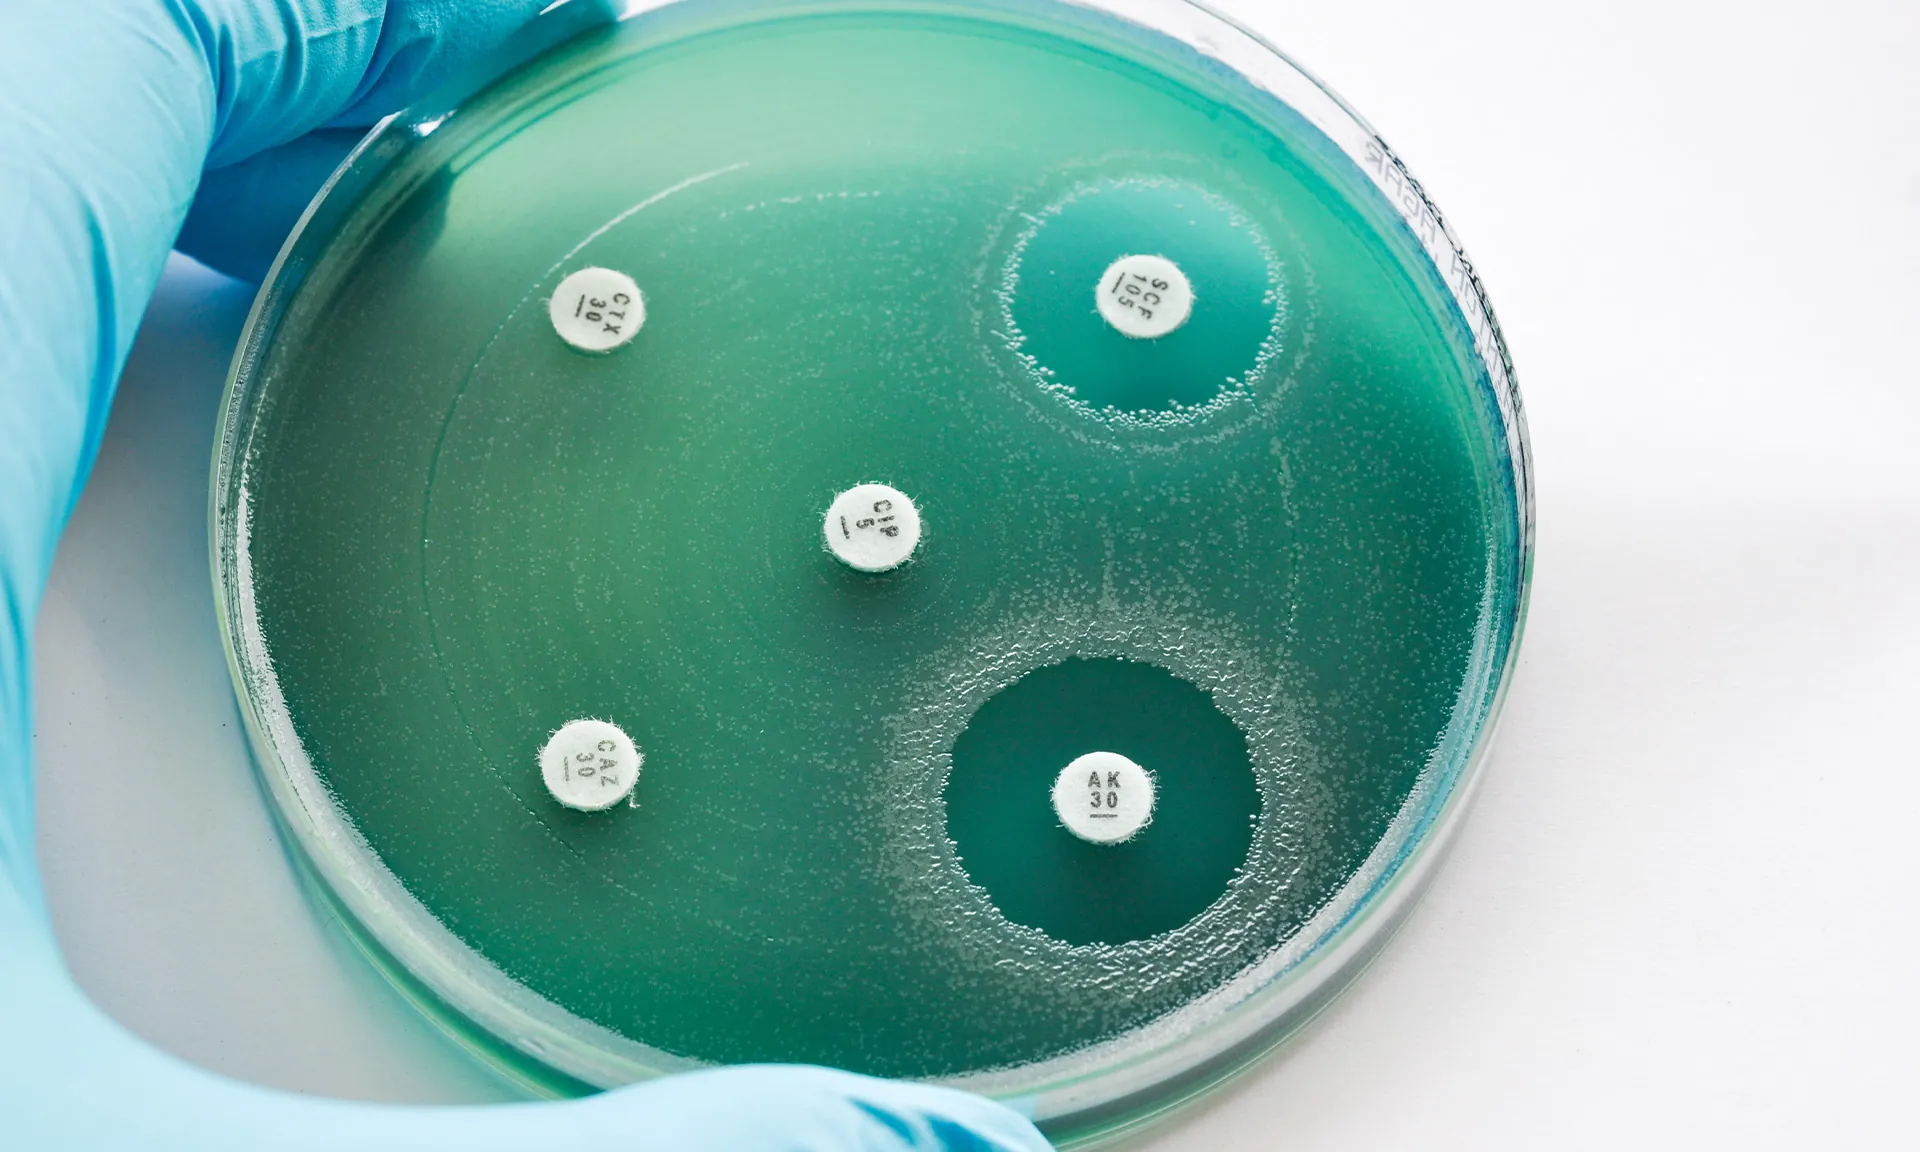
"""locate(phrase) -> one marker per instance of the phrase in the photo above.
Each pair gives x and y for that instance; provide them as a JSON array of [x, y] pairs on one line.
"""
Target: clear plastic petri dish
[[852, 415]]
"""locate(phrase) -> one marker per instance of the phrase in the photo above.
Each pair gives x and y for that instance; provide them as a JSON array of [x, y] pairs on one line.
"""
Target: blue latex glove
[[116, 118]]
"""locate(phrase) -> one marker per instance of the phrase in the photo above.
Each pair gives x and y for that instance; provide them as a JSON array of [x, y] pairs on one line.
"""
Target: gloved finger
[[109, 110], [283, 70], [244, 211], [820, 1108], [83, 1086]]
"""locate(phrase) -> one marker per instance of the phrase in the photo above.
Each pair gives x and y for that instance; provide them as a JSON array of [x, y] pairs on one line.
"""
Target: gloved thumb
[[109, 112]]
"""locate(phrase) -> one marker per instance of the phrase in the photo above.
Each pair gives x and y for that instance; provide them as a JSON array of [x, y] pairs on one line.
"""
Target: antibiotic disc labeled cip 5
[[872, 527]]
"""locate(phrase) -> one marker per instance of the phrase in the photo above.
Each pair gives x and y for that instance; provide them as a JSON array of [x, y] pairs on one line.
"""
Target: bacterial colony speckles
[[1106, 988], [1071, 376], [1185, 432]]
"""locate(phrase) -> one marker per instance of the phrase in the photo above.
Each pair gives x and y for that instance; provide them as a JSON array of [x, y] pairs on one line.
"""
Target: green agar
[[1000, 812], [868, 245]]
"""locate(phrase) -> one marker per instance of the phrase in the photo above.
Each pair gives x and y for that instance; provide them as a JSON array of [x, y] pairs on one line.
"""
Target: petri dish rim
[[1090, 1095]]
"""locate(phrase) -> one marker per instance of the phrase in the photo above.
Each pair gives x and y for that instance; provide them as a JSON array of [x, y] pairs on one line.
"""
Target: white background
[[1681, 912]]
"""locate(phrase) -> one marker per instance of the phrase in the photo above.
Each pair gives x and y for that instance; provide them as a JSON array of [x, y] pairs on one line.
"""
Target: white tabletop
[[1680, 913]]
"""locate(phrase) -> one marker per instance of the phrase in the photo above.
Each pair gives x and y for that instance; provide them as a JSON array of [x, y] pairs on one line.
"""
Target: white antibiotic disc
[[872, 527], [1103, 798], [589, 765], [597, 309], [1144, 297]]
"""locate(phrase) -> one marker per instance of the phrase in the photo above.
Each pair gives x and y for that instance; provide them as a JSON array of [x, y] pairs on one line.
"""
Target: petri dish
[[1268, 549]]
